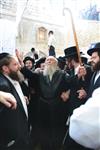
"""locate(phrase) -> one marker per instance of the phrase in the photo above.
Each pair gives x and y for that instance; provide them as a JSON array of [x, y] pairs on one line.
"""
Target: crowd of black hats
[[72, 51], [39, 61], [36, 63], [68, 52]]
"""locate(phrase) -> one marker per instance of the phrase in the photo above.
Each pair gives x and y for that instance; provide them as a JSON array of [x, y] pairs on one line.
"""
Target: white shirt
[[20, 93], [51, 40], [85, 122], [77, 69]]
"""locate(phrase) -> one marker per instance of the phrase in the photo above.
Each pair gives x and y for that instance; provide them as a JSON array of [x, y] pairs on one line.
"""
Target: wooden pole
[[75, 36]]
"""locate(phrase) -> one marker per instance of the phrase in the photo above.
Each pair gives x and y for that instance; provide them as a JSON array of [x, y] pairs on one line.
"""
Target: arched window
[[42, 34]]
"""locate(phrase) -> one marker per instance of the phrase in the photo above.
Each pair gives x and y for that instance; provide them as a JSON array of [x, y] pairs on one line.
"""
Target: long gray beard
[[49, 71]]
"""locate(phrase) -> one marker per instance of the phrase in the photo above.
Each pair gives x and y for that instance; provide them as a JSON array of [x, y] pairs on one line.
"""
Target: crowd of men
[[50, 105]]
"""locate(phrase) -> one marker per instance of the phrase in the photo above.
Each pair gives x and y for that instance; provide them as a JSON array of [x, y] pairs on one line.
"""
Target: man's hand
[[81, 72], [8, 100], [65, 95], [81, 93], [19, 56]]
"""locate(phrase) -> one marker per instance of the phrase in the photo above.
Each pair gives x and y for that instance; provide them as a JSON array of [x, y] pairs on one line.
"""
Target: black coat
[[74, 101], [13, 123], [51, 110], [93, 85]]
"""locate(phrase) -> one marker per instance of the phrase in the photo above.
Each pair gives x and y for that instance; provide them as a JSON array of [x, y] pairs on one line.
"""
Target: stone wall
[[28, 35], [87, 32]]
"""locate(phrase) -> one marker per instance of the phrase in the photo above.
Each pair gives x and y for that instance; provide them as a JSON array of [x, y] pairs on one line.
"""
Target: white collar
[[76, 69]]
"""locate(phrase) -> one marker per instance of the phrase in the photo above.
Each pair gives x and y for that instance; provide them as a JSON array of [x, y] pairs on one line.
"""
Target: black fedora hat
[[70, 51], [40, 61], [61, 59], [94, 47], [29, 58]]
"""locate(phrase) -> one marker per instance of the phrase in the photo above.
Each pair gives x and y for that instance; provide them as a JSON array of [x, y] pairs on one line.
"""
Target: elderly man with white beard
[[52, 88]]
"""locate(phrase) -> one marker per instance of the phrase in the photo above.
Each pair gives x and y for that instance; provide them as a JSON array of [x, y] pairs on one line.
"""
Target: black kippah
[[3, 55]]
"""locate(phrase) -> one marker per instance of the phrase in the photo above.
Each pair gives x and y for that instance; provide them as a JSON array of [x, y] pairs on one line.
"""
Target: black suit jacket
[[74, 101], [93, 85], [13, 123]]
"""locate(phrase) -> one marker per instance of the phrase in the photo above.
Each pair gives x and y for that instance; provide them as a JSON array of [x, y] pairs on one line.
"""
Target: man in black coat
[[87, 134], [14, 134], [51, 86], [94, 52], [78, 91]]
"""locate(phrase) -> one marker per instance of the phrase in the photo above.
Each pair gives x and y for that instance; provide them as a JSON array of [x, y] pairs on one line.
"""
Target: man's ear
[[5, 69]]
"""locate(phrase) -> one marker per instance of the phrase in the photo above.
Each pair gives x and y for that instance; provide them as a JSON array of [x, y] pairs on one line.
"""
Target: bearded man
[[14, 133], [94, 52], [85, 129], [51, 86]]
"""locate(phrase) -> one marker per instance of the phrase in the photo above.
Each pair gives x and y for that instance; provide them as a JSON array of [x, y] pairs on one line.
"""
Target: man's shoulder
[[62, 72], [2, 78], [4, 82]]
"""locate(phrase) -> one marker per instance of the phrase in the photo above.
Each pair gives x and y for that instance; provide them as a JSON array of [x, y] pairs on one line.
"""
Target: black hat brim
[[28, 58], [92, 50]]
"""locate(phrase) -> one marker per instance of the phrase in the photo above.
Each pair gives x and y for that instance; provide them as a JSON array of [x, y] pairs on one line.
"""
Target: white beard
[[49, 70]]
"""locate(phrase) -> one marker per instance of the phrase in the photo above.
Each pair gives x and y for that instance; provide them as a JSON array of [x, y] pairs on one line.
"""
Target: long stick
[[75, 36]]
